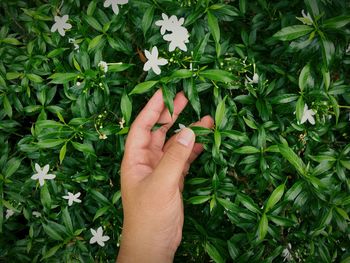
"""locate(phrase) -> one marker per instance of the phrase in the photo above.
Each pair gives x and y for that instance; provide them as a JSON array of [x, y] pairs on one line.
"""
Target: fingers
[[158, 136], [171, 166], [140, 132]]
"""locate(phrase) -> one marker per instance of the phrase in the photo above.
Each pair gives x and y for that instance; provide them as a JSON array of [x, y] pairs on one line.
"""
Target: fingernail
[[185, 137]]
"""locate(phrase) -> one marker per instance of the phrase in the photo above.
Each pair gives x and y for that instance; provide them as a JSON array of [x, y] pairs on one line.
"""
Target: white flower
[[78, 83], [169, 24], [348, 49], [121, 123], [153, 61], [72, 198], [98, 237], [179, 34], [254, 80], [72, 41], [36, 214], [102, 136], [286, 253], [308, 115], [181, 126], [114, 4], [178, 39], [103, 66], [9, 213], [306, 19], [41, 174], [61, 24]]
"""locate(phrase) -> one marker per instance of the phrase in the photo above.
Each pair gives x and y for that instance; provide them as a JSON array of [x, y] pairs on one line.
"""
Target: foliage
[[266, 186]]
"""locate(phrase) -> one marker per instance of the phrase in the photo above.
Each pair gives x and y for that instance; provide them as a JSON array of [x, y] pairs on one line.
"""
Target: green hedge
[[273, 182]]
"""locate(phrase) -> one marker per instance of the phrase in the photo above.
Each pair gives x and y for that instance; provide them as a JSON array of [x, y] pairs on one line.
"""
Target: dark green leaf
[[292, 32]]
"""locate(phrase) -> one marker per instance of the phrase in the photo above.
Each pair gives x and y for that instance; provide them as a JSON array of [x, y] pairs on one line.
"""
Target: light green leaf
[[336, 22], [294, 191], [63, 152], [263, 227], [247, 150], [51, 232], [67, 220], [195, 200], [214, 27], [93, 23], [274, 197], [147, 19], [217, 75], [100, 212], [292, 158], [63, 78], [126, 107], [143, 87], [45, 196], [11, 167], [50, 143], [84, 147], [292, 32], [7, 106], [168, 97], [220, 113], [94, 42], [213, 253]]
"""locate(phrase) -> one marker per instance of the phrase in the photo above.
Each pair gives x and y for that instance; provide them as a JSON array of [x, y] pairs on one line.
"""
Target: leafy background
[[264, 180]]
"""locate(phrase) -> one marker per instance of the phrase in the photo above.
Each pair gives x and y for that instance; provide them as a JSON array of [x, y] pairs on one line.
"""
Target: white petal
[[46, 169], [93, 232], [65, 18], [147, 54], [38, 168], [77, 200], [156, 69], [181, 20], [311, 119], [99, 231], [70, 202], [93, 240], [57, 19], [122, 2], [105, 238], [162, 61], [115, 9], [35, 176], [303, 118], [107, 3], [155, 52], [49, 176], [54, 28], [65, 197], [67, 26], [183, 47], [100, 243], [172, 46], [41, 181], [147, 66], [77, 194], [61, 31]]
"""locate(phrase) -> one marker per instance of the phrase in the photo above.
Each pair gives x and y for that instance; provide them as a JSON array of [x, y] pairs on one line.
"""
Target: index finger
[[146, 119]]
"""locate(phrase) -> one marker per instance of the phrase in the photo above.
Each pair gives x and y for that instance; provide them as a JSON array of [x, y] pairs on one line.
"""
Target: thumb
[[172, 164]]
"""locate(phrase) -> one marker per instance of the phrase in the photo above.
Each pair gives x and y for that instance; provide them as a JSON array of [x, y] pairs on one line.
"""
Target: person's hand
[[152, 177]]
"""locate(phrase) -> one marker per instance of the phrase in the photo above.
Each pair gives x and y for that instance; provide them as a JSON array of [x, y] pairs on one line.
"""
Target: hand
[[152, 177]]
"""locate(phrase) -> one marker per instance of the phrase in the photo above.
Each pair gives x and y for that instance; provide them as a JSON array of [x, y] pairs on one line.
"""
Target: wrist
[[139, 245]]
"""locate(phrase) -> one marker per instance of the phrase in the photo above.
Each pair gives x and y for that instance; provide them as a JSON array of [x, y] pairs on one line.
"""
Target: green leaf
[[99, 197], [191, 93], [220, 114], [274, 197], [181, 74], [247, 150], [304, 77], [50, 143], [118, 67], [51, 232], [93, 23], [292, 158], [11, 41], [235, 135], [11, 167], [328, 51], [284, 98], [100, 212], [13, 75], [63, 78], [168, 97], [67, 220], [143, 87], [147, 19], [213, 253], [281, 221], [292, 32], [94, 42], [336, 22], [63, 152], [195, 200], [262, 228], [248, 203], [294, 191], [345, 163], [126, 107], [45, 196], [299, 111], [56, 52], [84, 148], [35, 78], [217, 140], [52, 251], [217, 75], [214, 27], [7, 106]]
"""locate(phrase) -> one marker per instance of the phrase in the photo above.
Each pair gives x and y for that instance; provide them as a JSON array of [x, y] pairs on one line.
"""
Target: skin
[[152, 177]]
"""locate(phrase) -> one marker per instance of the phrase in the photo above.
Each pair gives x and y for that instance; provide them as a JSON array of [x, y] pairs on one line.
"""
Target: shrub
[[273, 182]]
